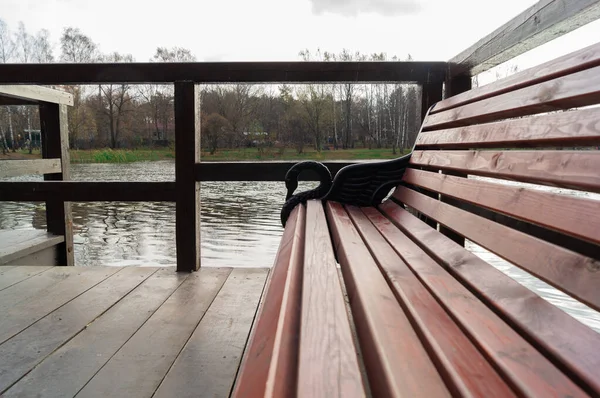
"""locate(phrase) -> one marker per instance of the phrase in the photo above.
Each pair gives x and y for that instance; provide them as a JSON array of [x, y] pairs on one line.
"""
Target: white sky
[[276, 30]]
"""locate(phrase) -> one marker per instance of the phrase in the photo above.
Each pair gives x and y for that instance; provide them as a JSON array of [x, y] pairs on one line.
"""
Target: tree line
[[233, 115]]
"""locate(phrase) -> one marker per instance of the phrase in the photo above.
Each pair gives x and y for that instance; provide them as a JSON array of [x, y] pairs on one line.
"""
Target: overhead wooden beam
[[76, 191], [539, 24], [14, 168], [256, 171], [20, 95], [223, 72]]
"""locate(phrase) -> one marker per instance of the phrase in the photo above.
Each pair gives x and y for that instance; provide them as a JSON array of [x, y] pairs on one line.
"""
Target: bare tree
[[77, 47], [115, 101], [43, 52]]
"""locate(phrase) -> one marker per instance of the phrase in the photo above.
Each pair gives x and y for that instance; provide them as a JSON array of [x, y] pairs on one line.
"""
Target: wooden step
[[24, 246]]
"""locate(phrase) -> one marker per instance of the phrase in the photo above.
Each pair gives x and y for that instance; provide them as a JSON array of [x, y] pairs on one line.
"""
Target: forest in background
[[315, 116]]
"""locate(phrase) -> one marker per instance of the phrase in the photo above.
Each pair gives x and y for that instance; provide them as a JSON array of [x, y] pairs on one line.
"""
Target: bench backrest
[[520, 129]]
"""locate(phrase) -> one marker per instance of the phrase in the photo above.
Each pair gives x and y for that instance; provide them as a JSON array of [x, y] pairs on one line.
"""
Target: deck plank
[[138, 368], [15, 244], [70, 283], [69, 368], [12, 275], [25, 350], [208, 363]]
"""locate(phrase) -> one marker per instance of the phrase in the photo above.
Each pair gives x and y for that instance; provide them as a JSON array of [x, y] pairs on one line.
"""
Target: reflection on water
[[240, 220], [240, 227]]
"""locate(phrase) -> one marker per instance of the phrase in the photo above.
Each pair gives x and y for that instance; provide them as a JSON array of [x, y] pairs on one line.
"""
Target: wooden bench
[[426, 317]]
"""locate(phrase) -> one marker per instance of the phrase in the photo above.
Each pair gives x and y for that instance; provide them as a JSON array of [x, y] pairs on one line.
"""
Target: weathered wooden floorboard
[[12, 275], [28, 348], [327, 360], [69, 368], [138, 368], [18, 311], [19, 243], [386, 335], [207, 365]]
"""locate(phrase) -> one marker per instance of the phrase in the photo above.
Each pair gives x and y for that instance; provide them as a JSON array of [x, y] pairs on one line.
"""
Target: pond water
[[240, 227]]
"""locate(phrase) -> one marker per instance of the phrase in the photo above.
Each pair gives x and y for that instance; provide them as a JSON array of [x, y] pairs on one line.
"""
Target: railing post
[[55, 144], [430, 94], [187, 154], [454, 86]]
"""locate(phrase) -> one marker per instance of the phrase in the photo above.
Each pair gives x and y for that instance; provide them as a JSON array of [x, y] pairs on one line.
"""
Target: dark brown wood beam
[[539, 24], [187, 155], [256, 171], [76, 191], [223, 72]]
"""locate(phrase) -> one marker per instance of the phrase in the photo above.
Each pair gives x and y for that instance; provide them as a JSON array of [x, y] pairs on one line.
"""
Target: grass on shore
[[240, 154]]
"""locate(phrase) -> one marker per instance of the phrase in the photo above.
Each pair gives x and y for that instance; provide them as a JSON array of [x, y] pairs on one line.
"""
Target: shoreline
[[242, 154]]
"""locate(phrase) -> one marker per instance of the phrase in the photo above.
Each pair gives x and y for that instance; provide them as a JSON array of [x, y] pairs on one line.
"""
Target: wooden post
[[187, 154], [455, 86], [430, 94], [55, 144]]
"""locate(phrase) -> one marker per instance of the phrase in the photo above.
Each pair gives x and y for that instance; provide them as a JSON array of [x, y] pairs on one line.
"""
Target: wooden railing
[[535, 26]]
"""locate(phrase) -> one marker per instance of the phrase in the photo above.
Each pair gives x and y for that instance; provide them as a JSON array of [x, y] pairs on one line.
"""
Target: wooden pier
[[129, 332]]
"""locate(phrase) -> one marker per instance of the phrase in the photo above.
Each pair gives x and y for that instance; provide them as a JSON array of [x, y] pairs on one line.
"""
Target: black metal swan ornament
[[291, 183]]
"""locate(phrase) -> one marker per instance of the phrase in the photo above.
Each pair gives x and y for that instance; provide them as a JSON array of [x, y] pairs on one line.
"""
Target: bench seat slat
[[571, 215], [568, 271], [521, 364], [327, 363], [574, 90], [396, 362], [466, 371], [282, 373], [255, 368], [568, 169], [583, 59], [572, 128], [572, 345]]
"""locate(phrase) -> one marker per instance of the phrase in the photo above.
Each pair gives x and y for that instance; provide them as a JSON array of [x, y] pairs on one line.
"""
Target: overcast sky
[[273, 30]]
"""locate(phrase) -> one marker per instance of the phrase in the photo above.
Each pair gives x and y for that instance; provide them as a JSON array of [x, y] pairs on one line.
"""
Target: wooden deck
[[129, 332]]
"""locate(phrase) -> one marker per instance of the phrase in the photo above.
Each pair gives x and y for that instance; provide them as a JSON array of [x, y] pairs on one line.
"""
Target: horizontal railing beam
[[14, 168], [19, 95], [257, 171], [223, 72], [76, 191], [539, 24]]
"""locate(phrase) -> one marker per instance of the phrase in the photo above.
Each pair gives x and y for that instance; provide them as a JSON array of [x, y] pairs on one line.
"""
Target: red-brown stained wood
[[327, 363], [386, 335], [571, 215], [281, 381], [570, 344], [259, 356], [568, 271], [568, 169], [570, 63], [465, 370], [523, 366], [564, 129], [577, 89]]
